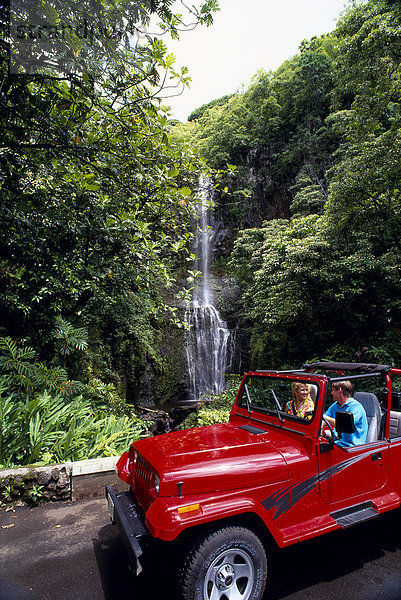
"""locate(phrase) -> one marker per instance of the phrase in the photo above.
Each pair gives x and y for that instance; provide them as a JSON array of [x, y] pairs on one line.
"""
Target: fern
[[21, 372], [70, 338], [16, 363]]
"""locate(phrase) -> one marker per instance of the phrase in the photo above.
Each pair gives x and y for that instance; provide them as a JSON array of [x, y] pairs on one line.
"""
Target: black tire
[[227, 564]]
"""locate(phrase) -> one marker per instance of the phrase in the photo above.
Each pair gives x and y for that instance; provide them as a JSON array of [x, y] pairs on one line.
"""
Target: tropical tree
[[95, 197]]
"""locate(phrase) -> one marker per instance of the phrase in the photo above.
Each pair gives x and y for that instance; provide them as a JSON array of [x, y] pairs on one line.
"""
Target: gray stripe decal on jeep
[[286, 497]]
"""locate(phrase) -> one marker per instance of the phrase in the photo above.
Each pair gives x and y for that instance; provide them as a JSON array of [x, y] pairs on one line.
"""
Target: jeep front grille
[[144, 480]]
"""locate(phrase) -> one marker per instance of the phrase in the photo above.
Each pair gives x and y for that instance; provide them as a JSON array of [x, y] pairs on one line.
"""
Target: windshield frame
[[275, 379]]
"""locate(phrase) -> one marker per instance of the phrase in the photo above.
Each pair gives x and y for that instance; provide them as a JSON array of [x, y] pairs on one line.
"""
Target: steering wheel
[[330, 437]]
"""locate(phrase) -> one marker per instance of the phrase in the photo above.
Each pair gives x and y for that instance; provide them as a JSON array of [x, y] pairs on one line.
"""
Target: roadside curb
[[90, 477], [59, 482]]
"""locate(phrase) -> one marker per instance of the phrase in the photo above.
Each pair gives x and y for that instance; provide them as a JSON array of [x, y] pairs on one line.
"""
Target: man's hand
[[325, 430], [330, 420]]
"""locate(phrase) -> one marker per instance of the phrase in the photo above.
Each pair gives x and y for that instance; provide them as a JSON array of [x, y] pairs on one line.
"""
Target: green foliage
[[8, 492], [104, 395], [365, 181], [199, 112], [277, 130], [36, 494], [44, 429], [42, 420], [305, 290], [16, 363], [310, 195], [23, 373], [96, 201], [70, 338], [288, 270], [215, 410]]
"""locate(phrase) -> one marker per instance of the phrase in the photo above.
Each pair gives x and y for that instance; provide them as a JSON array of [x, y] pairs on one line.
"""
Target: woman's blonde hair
[[295, 385]]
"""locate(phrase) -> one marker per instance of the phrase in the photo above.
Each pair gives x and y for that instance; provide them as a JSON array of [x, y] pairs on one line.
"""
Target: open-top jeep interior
[[371, 384], [395, 414], [263, 393]]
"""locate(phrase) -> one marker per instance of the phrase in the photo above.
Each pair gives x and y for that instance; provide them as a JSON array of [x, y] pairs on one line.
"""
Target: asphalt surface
[[72, 552]]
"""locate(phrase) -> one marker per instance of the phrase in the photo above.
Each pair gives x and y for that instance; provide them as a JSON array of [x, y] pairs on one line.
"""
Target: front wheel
[[228, 564]]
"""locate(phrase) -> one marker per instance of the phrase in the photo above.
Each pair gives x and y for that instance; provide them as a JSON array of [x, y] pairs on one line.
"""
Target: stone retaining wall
[[33, 484]]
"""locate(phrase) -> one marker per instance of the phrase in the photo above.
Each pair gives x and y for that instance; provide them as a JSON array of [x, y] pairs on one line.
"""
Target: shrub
[[43, 419], [216, 409], [23, 373], [44, 429]]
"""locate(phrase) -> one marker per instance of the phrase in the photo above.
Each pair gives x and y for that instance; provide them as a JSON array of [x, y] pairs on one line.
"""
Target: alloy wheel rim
[[230, 576]]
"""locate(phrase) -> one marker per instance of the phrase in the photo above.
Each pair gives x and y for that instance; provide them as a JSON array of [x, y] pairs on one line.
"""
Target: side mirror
[[345, 422]]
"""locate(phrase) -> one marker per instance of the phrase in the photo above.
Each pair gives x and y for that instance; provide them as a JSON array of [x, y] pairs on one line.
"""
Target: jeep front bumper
[[126, 514]]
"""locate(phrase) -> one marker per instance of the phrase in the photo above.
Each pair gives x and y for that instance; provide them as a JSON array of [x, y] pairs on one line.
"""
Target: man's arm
[[329, 415]]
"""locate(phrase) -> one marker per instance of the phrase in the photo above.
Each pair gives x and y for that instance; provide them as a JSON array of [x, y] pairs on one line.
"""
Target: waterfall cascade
[[208, 339]]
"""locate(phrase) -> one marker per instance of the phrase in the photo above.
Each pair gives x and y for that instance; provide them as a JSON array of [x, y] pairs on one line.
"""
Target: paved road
[[72, 552]]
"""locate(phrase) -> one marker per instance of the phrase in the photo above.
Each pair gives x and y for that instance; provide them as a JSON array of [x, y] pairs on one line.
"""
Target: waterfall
[[208, 337]]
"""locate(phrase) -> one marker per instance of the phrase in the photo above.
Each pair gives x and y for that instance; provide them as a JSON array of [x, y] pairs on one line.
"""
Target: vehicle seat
[[373, 413], [313, 391], [395, 424]]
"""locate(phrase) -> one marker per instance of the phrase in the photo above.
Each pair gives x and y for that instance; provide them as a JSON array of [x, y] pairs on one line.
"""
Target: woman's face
[[301, 392]]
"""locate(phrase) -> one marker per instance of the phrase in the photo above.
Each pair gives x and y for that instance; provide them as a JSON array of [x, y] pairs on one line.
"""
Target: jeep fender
[[167, 518]]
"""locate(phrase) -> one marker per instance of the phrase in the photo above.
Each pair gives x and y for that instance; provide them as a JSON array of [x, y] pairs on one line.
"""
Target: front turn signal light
[[187, 509]]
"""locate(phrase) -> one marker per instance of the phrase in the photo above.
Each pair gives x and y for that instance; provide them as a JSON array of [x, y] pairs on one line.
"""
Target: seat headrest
[[369, 402]]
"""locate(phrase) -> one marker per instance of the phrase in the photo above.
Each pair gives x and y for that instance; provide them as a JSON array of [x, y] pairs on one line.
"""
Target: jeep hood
[[211, 459]]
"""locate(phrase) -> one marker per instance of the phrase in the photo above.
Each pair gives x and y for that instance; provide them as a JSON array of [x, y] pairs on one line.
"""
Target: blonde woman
[[301, 404]]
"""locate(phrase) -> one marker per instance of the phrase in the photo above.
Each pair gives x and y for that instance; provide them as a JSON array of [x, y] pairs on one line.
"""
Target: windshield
[[285, 397]]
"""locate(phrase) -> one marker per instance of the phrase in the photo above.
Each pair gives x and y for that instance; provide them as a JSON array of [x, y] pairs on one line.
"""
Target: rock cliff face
[[255, 194], [227, 293], [272, 199]]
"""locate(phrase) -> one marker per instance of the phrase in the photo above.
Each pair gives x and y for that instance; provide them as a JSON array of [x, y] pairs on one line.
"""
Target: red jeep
[[264, 478]]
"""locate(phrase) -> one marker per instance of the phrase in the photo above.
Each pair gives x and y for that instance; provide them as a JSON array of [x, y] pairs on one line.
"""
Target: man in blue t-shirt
[[341, 392]]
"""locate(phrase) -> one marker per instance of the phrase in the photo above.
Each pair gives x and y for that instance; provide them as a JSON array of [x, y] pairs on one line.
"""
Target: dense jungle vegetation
[[95, 206], [314, 206], [95, 209]]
